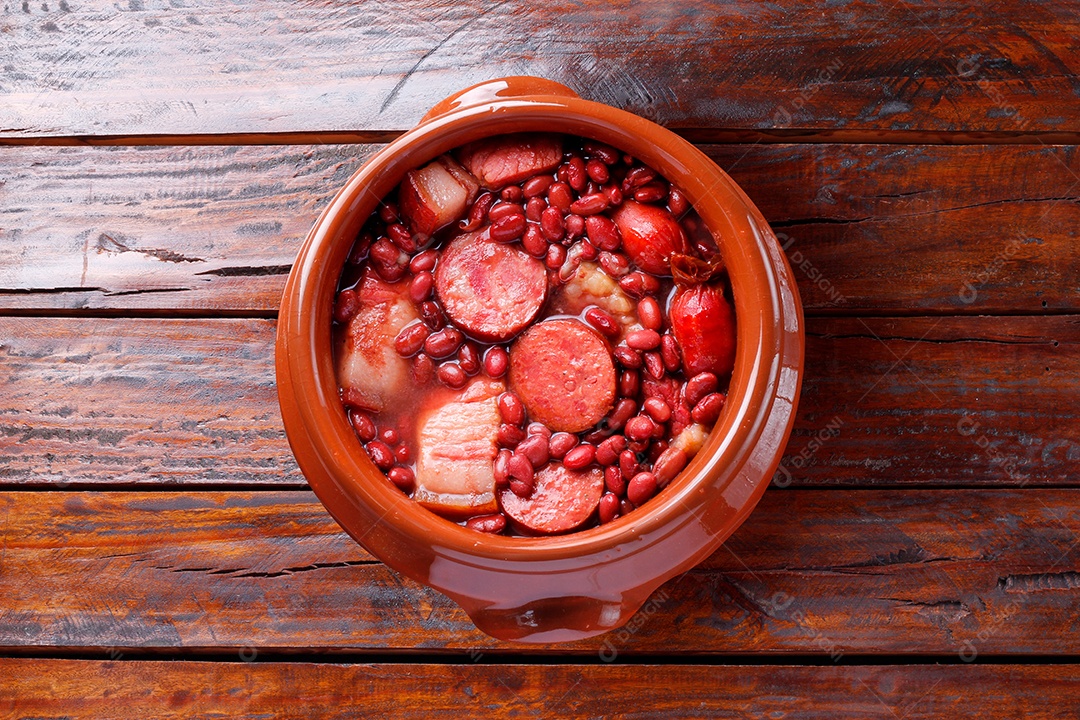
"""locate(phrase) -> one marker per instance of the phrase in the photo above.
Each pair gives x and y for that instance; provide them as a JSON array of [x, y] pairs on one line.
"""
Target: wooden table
[[161, 553]]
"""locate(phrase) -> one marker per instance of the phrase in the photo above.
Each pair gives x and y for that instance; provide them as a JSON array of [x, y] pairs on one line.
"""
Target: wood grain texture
[[885, 402], [869, 228], [290, 66], [964, 574], [90, 689]]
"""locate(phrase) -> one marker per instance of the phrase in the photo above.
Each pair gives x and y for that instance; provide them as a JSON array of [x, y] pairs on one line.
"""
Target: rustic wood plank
[[287, 66], [965, 574], [929, 401], [90, 689], [869, 228]]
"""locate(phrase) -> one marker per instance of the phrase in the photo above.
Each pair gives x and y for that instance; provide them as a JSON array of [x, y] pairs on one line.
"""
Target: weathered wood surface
[[963, 574], [137, 689], [873, 229], [151, 68], [929, 401]]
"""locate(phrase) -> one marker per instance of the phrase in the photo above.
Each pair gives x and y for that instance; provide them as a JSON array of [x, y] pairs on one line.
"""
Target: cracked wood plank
[[827, 573], [211, 68], [885, 402], [171, 689], [871, 229]]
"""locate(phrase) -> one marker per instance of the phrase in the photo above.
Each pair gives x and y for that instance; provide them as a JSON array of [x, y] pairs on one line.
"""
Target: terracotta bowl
[[574, 586]]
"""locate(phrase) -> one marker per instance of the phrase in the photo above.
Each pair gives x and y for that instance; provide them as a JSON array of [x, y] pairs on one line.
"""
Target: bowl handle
[[497, 89]]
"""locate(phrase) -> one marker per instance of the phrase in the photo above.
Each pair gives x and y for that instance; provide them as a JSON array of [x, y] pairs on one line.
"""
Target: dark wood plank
[[870, 228], [963, 574], [90, 689], [149, 68], [930, 401]]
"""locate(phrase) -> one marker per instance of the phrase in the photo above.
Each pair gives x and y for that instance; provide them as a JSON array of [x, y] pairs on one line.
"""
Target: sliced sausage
[[563, 371], [506, 159], [651, 235], [490, 290], [561, 500], [456, 439]]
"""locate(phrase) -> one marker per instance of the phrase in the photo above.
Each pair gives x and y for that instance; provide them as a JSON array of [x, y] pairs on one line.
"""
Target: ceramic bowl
[[568, 587]]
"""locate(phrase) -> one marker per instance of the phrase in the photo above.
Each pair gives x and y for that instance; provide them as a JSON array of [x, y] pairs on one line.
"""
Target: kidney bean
[[388, 212], [707, 410], [614, 194], [511, 193], [534, 209], [469, 358], [640, 427], [608, 508], [580, 457], [669, 353], [505, 209], [520, 468], [534, 447], [607, 452], [411, 339], [649, 314], [654, 365], [657, 409], [651, 192], [420, 287], [643, 339], [638, 176], [670, 463], [560, 172], [402, 477], [533, 241], [614, 480], [501, 468], [641, 487], [363, 425], [628, 463], [451, 375], [602, 320], [538, 428], [424, 262], [385, 252], [638, 284], [626, 507], [588, 251], [575, 173], [592, 204], [575, 226], [401, 237], [432, 315], [627, 357], [509, 435], [606, 153], [511, 409], [477, 213], [521, 488], [346, 305], [423, 369], [699, 386], [560, 196], [603, 232], [614, 264], [360, 249], [496, 362], [597, 171], [561, 443], [443, 343], [380, 454], [555, 257], [403, 454], [389, 436], [507, 228], [677, 202], [551, 224], [629, 383], [537, 186], [491, 524], [624, 410]]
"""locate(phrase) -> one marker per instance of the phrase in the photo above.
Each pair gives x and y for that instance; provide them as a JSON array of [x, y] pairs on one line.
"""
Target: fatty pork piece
[[367, 364], [457, 446], [505, 159], [435, 195]]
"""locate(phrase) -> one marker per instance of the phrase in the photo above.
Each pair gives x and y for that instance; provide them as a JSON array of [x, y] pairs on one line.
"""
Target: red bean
[[657, 409], [537, 186], [614, 194], [614, 480], [654, 365], [638, 284], [614, 264], [511, 409], [491, 524], [511, 193], [560, 196], [402, 477], [432, 315], [360, 249], [403, 454], [380, 454], [555, 257], [699, 386], [561, 443], [643, 339], [629, 383], [588, 251], [575, 226], [580, 457], [628, 463], [670, 463], [346, 306], [602, 320], [420, 287], [363, 425], [520, 468], [496, 362], [608, 508], [592, 204], [677, 202], [505, 209], [388, 212], [411, 339], [627, 357], [401, 237], [597, 171], [551, 224], [603, 232], [649, 313], [389, 436], [443, 343], [626, 507], [478, 212], [469, 358], [650, 193], [521, 488], [538, 428], [640, 427], [451, 375], [605, 153], [637, 177], [534, 209], [641, 487], [624, 410], [534, 447], [507, 228], [669, 353], [509, 435], [607, 452], [533, 241], [707, 410], [501, 468], [423, 369], [424, 262], [575, 174], [385, 252]]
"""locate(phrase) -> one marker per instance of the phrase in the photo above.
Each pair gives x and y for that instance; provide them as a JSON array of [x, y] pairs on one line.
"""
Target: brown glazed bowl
[[549, 589]]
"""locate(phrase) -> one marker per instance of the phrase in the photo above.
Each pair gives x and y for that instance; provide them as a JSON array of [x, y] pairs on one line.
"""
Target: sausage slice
[[505, 159], [561, 500]]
